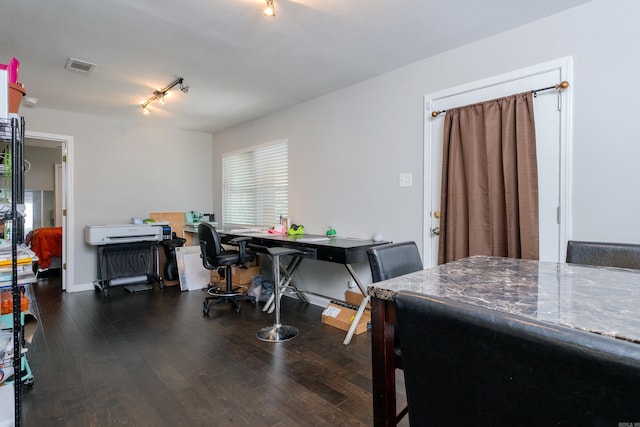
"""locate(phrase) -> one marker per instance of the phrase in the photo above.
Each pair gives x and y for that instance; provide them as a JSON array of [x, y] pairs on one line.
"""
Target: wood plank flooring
[[153, 359]]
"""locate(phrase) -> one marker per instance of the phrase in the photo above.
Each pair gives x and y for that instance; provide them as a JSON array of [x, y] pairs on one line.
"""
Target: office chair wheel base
[[236, 309], [277, 333], [205, 309]]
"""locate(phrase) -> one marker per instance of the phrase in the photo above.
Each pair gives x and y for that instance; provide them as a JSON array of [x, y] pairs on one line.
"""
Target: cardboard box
[[340, 316], [243, 276], [354, 298], [240, 276], [216, 277]]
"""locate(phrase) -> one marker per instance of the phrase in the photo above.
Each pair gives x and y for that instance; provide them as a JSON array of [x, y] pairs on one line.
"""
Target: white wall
[[41, 176], [121, 170], [347, 148]]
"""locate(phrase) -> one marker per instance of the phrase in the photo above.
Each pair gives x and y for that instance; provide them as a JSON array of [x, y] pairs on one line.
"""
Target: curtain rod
[[561, 85]]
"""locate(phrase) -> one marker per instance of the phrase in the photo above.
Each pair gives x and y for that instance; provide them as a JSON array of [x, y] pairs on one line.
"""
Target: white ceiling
[[238, 64]]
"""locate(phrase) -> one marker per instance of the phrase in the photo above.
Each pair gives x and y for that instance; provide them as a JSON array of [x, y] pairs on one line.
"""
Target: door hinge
[[64, 212], [64, 158], [558, 214], [64, 266]]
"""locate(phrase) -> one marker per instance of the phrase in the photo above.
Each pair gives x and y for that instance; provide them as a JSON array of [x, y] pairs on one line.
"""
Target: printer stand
[[127, 264]]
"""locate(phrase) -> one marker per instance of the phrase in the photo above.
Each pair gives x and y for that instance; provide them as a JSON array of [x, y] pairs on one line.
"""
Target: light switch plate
[[405, 180]]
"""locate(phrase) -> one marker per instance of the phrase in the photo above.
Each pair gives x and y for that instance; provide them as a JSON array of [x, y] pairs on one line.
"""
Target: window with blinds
[[256, 186]]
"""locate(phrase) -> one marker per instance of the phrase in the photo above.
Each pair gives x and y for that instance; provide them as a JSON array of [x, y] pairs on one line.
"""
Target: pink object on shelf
[[12, 70], [278, 229]]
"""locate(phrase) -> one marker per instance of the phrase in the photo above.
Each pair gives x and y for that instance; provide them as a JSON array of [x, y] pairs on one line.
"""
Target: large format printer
[[127, 233], [127, 255]]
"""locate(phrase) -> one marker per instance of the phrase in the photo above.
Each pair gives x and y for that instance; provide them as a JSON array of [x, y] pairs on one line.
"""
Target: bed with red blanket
[[47, 244]]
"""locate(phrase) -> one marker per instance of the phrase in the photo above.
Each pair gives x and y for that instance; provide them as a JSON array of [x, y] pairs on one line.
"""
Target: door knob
[[435, 231]]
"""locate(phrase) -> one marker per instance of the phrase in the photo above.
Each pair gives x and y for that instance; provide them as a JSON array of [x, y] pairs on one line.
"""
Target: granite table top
[[603, 300]]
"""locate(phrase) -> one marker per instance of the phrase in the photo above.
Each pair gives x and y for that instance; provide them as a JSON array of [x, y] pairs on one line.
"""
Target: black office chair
[[468, 365], [213, 257], [389, 261], [623, 255]]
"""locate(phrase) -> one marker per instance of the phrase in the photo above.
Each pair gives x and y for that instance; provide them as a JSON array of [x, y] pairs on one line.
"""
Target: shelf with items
[[23, 330], [7, 357], [11, 255]]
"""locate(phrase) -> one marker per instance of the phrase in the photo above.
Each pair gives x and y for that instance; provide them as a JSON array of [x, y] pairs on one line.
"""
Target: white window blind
[[256, 186]]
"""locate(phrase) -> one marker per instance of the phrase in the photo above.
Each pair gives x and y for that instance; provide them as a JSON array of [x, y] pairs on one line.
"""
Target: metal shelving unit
[[12, 131]]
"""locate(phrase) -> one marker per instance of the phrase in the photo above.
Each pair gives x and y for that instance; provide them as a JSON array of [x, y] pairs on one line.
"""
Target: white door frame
[[564, 65], [66, 142]]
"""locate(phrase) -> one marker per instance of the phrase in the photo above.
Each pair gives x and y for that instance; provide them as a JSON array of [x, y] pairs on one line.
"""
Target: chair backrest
[[393, 260], [623, 255], [466, 365], [210, 244]]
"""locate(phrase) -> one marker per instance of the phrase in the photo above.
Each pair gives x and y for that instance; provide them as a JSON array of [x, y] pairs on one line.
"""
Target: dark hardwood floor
[[152, 359]]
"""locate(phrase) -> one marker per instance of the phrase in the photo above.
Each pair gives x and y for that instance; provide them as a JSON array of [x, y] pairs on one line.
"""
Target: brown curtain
[[489, 200]]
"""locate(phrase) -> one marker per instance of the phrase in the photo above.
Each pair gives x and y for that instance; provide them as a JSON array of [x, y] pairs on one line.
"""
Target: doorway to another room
[[46, 198]]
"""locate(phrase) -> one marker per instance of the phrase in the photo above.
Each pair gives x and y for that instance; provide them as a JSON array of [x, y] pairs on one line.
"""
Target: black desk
[[340, 250]]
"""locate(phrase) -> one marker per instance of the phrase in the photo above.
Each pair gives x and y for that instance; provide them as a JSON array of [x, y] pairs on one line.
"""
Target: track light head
[[269, 9], [159, 95]]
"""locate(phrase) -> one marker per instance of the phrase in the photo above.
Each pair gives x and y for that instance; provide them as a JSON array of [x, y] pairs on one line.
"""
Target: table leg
[[383, 363]]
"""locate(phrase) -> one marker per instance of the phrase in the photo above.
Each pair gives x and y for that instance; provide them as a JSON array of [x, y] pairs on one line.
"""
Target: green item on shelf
[[331, 232]]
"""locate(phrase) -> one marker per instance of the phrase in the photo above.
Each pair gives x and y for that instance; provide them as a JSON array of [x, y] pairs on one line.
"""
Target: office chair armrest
[[242, 247]]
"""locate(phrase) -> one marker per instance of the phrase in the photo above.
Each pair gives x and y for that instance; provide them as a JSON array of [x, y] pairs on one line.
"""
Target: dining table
[[600, 300]]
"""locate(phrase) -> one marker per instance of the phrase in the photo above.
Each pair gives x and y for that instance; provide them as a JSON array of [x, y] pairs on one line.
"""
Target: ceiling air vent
[[79, 65]]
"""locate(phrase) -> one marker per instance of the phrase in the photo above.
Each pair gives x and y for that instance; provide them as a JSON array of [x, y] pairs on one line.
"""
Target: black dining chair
[[469, 365], [622, 255], [214, 256], [389, 261]]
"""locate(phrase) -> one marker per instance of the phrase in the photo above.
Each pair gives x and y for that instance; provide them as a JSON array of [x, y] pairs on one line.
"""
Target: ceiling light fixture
[[270, 9], [159, 95]]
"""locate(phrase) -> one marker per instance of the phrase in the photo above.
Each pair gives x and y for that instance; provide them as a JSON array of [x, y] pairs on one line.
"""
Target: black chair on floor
[[214, 256], [467, 365], [389, 261], [623, 255]]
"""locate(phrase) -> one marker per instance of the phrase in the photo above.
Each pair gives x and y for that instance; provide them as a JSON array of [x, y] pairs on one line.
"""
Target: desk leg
[[361, 308], [383, 363], [286, 273], [356, 320]]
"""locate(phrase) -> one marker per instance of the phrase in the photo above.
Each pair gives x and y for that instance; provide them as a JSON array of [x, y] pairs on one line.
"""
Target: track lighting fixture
[[159, 95], [269, 9]]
